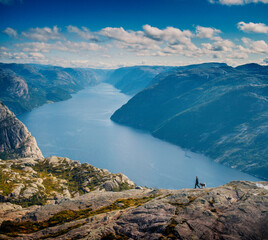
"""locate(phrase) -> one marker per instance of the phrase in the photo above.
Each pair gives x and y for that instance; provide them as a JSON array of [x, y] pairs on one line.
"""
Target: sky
[[117, 33]]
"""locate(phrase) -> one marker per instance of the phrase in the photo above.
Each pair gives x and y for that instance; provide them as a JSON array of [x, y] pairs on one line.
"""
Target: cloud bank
[[116, 46]]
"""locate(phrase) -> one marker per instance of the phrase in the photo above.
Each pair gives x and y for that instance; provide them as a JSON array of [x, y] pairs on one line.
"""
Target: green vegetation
[[36, 199], [6, 186]]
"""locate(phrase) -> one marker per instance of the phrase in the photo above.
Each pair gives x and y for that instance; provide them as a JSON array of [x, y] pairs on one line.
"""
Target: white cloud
[[256, 46], [170, 34], [221, 45], [253, 27], [78, 46], [130, 37], [237, 2], [36, 55], [66, 46], [43, 34], [84, 33], [260, 46], [238, 55], [206, 32], [11, 32]]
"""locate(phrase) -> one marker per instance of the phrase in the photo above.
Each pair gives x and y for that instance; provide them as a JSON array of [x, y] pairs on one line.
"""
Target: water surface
[[80, 129]]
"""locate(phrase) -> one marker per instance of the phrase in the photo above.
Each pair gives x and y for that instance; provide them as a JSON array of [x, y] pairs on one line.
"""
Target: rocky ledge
[[29, 181], [237, 210]]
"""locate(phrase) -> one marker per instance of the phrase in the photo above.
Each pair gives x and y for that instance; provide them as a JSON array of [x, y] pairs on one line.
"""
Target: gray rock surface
[[29, 181], [15, 139], [237, 210]]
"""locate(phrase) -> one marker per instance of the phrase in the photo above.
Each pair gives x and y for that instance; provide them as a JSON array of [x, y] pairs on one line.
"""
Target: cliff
[[237, 210], [15, 139]]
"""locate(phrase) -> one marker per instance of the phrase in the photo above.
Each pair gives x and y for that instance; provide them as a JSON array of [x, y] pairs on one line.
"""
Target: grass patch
[[5, 186]]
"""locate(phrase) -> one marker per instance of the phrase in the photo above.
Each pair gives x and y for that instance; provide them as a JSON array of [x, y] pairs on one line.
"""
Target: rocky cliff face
[[237, 210], [15, 139]]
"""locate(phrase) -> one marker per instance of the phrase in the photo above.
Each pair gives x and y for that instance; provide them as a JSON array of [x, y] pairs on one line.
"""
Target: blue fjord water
[[80, 129]]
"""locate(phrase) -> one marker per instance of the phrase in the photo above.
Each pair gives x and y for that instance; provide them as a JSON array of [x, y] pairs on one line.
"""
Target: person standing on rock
[[196, 182]]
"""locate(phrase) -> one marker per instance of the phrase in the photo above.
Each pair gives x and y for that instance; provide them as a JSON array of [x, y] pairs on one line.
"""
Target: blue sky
[[113, 33]]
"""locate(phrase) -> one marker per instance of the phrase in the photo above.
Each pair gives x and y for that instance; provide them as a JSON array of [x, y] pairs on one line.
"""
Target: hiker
[[196, 182]]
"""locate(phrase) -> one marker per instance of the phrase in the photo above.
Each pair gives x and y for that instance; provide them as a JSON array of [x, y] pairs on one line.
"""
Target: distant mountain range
[[26, 86], [213, 109], [131, 80]]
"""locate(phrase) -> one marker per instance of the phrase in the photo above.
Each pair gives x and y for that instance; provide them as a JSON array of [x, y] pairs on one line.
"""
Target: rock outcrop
[[29, 181], [237, 210], [15, 139]]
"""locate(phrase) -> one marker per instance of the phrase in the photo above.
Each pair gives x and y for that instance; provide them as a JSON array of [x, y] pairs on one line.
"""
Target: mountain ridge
[[27, 86], [218, 111]]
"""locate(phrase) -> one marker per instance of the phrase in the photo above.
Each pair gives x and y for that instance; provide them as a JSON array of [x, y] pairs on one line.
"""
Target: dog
[[203, 185]]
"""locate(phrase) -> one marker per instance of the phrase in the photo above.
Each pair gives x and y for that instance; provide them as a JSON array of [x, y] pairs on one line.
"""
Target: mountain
[[131, 80], [237, 210], [219, 111], [26, 86], [15, 139]]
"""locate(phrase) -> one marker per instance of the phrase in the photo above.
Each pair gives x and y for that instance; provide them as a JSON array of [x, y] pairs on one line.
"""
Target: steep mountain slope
[[15, 139], [218, 111], [237, 210], [26, 86], [131, 80]]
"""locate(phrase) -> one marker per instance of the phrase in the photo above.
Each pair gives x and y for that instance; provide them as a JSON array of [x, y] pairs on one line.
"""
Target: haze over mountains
[[131, 80]]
